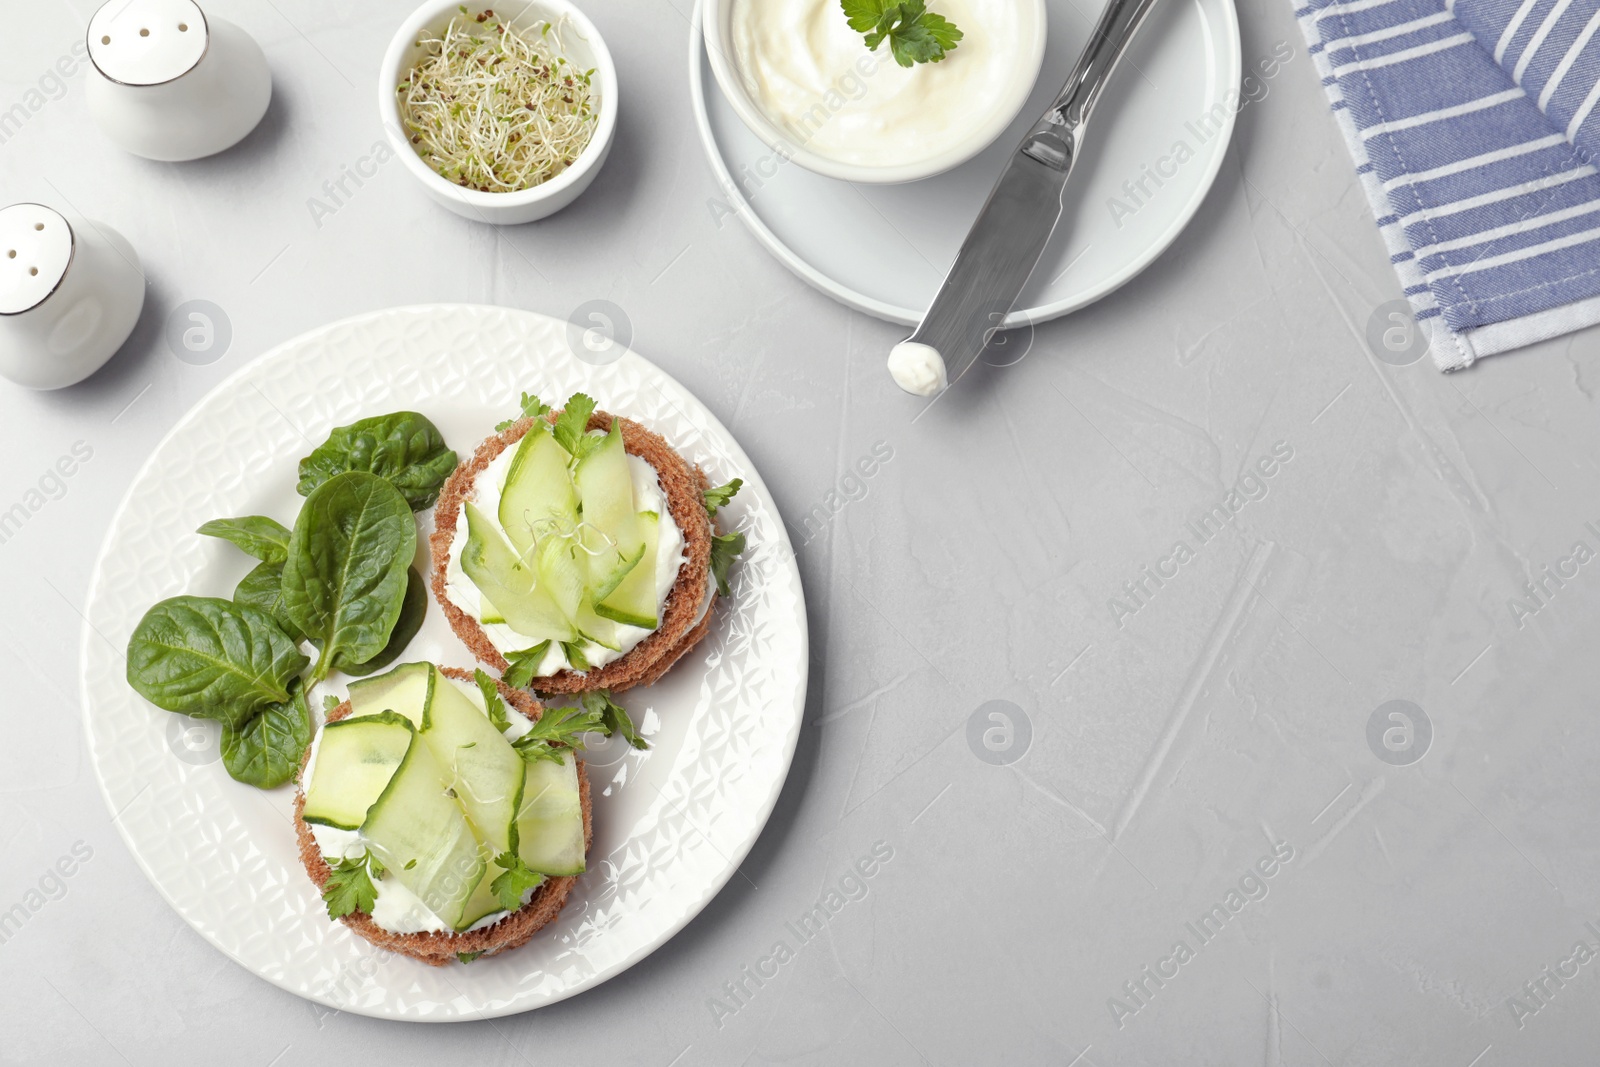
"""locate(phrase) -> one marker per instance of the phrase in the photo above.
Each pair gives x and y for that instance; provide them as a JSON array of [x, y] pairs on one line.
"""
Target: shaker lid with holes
[[35, 251], [147, 42]]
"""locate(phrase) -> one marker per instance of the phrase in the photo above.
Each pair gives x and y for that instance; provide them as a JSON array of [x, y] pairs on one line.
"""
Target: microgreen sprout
[[492, 110]]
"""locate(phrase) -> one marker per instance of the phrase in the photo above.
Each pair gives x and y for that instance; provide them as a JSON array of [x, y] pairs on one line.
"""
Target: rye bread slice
[[437, 949], [678, 632]]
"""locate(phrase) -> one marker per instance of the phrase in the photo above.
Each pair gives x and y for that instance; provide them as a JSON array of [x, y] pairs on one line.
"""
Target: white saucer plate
[[671, 824], [884, 249]]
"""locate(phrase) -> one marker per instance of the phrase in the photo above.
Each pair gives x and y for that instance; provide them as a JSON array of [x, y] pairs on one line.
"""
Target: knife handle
[[1056, 138]]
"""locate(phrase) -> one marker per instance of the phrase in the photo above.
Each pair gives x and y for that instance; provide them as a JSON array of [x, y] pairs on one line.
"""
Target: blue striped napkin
[[1475, 125]]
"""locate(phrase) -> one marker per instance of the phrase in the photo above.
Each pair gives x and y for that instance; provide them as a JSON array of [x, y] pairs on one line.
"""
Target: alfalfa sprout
[[492, 110]]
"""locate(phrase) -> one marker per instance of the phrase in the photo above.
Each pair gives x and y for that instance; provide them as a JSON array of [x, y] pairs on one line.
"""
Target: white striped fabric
[[1474, 126]]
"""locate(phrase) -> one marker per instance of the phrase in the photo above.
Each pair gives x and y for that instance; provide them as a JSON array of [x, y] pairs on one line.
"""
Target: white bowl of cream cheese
[[805, 83]]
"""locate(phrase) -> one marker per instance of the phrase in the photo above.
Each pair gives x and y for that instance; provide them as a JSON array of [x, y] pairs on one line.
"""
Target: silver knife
[[1011, 231]]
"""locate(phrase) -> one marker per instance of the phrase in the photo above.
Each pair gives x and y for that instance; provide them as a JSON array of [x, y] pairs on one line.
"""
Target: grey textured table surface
[[1417, 911]]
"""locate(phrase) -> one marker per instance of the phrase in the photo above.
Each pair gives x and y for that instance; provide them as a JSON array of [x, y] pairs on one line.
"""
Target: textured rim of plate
[[713, 427], [1232, 58]]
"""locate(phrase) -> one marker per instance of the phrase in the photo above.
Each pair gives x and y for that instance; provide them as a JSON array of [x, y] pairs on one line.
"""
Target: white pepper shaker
[[172, 84], [70, 293]]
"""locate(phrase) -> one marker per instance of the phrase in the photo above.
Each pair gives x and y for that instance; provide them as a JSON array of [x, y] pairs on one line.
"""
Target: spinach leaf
[[263, 588], [412, 611], [265, 539], [211, 658], [346, 576], [266, 751], [404, 448]]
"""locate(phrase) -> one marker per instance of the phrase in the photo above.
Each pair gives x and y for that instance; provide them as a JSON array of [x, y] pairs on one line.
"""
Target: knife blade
[[1016, 221]]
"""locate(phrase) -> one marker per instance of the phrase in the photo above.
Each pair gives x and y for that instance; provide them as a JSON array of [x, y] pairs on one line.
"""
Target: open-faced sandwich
[[444, 815], [577, 551]]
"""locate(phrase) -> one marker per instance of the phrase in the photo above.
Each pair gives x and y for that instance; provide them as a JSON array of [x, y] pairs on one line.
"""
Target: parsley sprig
[[915, 34], [558, 726], [509, 887], [532, 408], [492, 702], [576, 659], [570, 428], [724, 550], [524, 664], [613, 715], [572, 425], [349, 886], [719, 497], [563, 726]]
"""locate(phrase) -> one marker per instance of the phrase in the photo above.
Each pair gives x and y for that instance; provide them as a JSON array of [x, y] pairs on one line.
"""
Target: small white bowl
[[583, 47], [717, 22]]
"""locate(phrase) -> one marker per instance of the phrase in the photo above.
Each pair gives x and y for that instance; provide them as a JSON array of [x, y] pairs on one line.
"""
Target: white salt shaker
[[70, 293], [171, 84]]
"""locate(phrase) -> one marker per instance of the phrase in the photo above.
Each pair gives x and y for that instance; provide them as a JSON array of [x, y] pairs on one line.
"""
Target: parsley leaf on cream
[[523, 665], [517, 879], [915, 34], [349, 888], [575, 657]]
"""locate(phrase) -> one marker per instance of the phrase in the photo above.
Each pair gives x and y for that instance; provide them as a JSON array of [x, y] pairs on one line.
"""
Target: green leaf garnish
[[349, 888], [263, 588], [724, 550], [719, 497], [571, 428], [863, 15], [265, 752], [613, 715], [468, 957], [564, 725], [914, 33], [212, 658], [575, 657], [518, 879], [265, 539], [346, 579], [329, 702], [413, 609], [492, 703], [560, 726], [404, 448], [523, 664], [532, 408]]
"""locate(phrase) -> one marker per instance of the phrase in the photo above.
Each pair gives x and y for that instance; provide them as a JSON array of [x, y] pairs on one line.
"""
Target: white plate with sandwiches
[[670, 822], [883, 245]]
